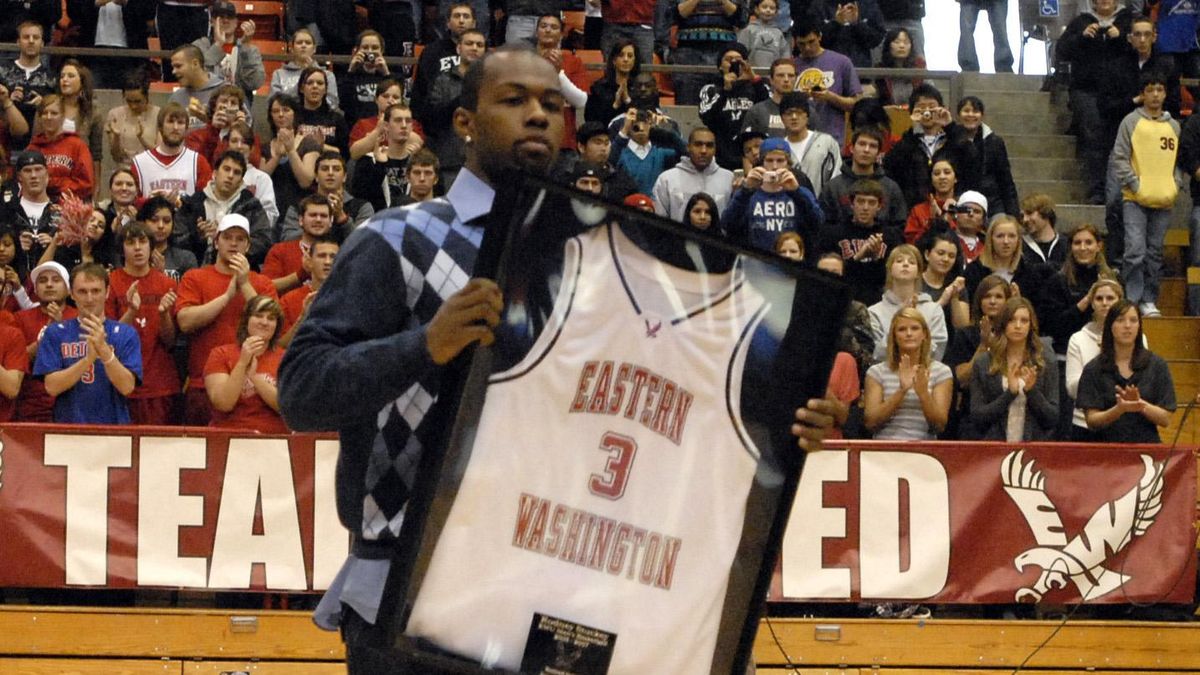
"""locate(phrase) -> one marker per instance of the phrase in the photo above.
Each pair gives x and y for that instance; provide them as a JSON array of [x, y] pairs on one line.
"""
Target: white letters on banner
[[258, 479], [87, 499], [882, 476]]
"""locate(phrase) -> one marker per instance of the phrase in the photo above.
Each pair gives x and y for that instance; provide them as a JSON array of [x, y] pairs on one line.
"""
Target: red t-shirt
[[293, 305], [199, 286], [33, 397], [250, 412], [284, 258], [159, 376], [12, 357]]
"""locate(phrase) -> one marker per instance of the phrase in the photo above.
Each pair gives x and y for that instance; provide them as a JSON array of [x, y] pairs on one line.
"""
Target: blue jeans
[[968, 16], [642, 36], [1145, 230]]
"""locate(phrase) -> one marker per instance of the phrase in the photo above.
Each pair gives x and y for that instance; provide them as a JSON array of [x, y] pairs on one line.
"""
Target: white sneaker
[[1149, 309]]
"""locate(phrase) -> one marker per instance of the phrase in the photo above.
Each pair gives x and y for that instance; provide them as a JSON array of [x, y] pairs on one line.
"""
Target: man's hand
[[133, 297], [813, 422], [241, 268], [157, 260], [754, 179], [208, 228], [788, 180], [167, 303], [466, 317], [248, 30], [54, 310], [97, 340]]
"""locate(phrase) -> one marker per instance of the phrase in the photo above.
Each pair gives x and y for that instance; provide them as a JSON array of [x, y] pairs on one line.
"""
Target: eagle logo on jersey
[[1080, 560], [652, 331]]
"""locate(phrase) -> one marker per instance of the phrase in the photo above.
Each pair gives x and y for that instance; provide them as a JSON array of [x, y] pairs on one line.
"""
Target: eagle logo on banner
[[1081, 559]]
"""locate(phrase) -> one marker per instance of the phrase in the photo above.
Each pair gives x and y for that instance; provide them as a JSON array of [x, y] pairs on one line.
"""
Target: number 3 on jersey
[[611, 483]]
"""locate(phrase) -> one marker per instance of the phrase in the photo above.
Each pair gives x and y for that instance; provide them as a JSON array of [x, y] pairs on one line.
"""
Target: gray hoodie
[[675, 187]]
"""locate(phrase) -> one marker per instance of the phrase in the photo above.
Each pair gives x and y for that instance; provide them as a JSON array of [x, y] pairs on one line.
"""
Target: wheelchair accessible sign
[[1048, 7]]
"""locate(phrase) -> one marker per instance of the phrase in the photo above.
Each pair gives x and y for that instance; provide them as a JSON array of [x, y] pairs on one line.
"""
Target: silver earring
[[467, 138]]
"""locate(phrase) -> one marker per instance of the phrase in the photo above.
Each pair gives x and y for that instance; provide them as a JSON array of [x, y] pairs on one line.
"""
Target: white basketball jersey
[[179, 175], [608, 480]]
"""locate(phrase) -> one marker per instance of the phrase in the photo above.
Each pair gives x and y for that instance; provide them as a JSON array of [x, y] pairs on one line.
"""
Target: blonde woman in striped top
[[908, 395]]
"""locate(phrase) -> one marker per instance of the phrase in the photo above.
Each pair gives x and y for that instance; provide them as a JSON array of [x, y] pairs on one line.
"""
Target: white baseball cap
[[233, 220], [968, 197], [53, 267]]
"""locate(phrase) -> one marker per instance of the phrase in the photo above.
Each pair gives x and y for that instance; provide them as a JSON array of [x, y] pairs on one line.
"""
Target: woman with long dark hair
[[898, 53], [701, 213], [609, 96], [1084, 346], [943, 180], [290, 159], [942, 279], [315, 117], [1014, 387], [1066, 303], [969, 343], [1126, 392]]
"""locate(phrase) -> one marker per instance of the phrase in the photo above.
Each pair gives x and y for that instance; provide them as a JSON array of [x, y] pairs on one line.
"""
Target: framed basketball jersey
[[619, 464]]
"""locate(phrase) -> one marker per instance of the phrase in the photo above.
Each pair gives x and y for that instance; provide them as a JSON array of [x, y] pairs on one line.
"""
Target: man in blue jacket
[[771, 201]]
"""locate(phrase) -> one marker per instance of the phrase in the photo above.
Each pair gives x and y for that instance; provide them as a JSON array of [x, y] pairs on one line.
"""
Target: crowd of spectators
[[172, 300]]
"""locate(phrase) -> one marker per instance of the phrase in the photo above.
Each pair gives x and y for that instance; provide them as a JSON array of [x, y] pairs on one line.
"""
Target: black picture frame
[[531, 220]]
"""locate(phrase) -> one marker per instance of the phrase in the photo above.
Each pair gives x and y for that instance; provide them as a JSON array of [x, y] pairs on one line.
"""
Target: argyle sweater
[[359, 362]]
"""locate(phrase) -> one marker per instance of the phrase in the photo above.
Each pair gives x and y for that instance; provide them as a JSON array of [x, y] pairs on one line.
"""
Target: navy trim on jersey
[[612, 247], [558, 329], [751, 325]]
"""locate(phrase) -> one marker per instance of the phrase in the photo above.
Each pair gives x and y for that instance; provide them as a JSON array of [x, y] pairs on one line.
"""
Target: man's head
[[807, 34], [1142, 36], [549, 31], [702, 147], [51, 283], [864, 148], [223, 15], [422, 174], [331, 173], [1037, 215], [228, 174], [866, 198], [399, 119], [233, 237], [320, 257], [187, 64], [31, 39], [172, 125], [832, 262], [510, 114], [1153, 86], [316, 216], [594, 143], [776, 155], [460, 18], [751, 142], [228, 100], [737, 53], [32, 175], [783, 76], [588, 177], [158, 214], [925, 100], [89, 289], [643, 92], [793, 110], [136, 242], [471, 46], [972, 216]]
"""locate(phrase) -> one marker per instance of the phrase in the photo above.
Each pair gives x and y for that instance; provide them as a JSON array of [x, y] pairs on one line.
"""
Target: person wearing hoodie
[[836, 197], [902, 289], [862, 240], [771, 201], [229, 58], [1092, 42], [723, 104], [197, 218], [816, 153], [1144, 161], [441, 55], [196, 87], [67, 156], [695, 173], [286, 79]]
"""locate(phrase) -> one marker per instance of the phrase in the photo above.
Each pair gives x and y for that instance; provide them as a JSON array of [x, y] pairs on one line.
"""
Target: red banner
[[993, 523], [167, 507]]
